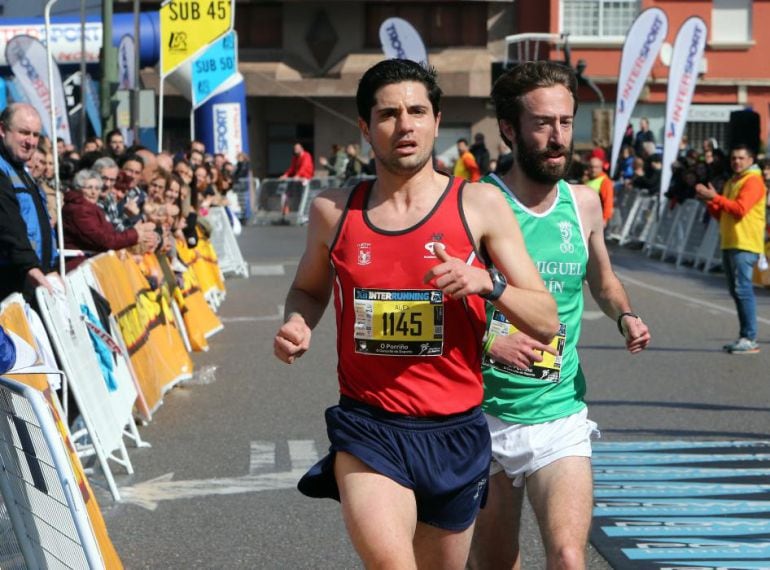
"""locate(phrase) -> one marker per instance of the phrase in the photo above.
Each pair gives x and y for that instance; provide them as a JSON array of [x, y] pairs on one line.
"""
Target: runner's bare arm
[[525, 301], [309, 293], [606, 288]]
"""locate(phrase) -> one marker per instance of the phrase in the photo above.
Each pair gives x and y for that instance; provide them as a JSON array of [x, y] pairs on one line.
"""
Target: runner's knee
[[567, 557]]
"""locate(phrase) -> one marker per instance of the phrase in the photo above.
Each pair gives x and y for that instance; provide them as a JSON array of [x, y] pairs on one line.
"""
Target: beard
[[533, 161]]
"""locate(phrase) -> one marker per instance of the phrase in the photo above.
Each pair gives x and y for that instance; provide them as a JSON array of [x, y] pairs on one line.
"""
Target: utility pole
[[82, 130], [109, 68], [137, 75]]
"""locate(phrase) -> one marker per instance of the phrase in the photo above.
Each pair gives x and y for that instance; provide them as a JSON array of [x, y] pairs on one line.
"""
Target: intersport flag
[[683, 75], [400, 40], [28, 60], [126, 70], [643, 41]]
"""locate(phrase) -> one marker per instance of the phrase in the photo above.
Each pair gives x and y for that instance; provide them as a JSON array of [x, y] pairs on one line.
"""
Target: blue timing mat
[[682, 504]]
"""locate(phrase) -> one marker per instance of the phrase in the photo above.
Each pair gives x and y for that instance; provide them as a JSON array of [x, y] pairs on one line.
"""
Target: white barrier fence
[[229, 254], [106, 410], [287, 200], [684, 233], [44, 519]]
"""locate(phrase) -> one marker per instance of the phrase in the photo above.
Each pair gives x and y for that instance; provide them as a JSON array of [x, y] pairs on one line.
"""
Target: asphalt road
[[216, 490]]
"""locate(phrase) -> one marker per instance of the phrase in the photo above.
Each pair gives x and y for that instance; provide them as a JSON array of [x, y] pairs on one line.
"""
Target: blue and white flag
[[683, 75], [28, 60], [643, 41], [400, 40]]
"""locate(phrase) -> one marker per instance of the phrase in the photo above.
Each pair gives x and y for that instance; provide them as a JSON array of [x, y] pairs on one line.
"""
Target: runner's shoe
[[742, 346]]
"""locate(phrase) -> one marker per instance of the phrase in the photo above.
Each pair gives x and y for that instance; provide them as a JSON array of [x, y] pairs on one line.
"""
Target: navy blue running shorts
[[444, 460]]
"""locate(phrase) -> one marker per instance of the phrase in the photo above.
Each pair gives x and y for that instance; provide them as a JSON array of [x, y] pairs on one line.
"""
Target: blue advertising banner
[[212, 68]]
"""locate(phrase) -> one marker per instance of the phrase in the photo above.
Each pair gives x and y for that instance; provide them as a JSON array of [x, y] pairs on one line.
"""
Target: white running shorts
[[522, 449]]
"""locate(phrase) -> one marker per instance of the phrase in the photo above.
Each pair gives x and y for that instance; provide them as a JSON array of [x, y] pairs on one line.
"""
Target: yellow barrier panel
[[13, 319], [199, 320], [203, 261], [116, 287], [144, 318], [172, 363], [202, 323]]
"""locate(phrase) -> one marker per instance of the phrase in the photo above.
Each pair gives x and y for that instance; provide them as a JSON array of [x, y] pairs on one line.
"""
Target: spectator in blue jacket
[[27, 246]]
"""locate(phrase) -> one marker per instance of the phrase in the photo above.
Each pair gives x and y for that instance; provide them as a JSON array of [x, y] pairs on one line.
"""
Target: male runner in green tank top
[[533, 392]]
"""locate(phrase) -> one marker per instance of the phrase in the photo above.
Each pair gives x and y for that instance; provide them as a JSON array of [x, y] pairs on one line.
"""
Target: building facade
[[302, 60], [734, 73]]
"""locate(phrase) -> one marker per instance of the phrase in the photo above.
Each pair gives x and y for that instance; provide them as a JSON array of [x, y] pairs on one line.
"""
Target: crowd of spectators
[[114, 197]]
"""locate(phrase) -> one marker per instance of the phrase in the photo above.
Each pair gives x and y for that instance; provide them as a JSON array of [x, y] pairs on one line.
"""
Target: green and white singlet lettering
[[554, 387]]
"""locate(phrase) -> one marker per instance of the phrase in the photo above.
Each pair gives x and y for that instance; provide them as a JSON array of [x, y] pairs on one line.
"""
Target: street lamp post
[[109, 67]]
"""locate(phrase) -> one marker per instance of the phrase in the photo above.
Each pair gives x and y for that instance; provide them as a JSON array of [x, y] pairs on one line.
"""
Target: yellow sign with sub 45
[[399, 322], [189, 26]]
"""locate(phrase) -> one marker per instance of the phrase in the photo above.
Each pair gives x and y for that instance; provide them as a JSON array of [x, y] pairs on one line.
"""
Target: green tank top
[[554, 388]]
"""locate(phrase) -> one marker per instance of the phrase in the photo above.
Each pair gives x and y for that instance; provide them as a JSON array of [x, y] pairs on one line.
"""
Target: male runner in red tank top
[[409, 457]]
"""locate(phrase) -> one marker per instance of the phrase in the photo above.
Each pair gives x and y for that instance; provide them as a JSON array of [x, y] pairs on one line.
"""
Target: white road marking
[[148, 494], [262, 456], [688, 298], [266, 270], [303, 454]]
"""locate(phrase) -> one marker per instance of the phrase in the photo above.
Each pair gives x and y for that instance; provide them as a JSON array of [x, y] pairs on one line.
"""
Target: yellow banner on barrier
[[154, 345], [200, 320], [203, 261], [12, 318]]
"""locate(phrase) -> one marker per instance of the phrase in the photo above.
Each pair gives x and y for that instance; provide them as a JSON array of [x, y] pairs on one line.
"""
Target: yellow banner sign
[[188, 26]]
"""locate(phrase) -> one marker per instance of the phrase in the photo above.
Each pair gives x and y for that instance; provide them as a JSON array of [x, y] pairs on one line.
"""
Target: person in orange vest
[[466, 166], [740, 210], [599, 181]]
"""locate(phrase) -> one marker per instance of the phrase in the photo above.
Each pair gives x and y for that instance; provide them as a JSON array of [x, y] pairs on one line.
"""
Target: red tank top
[[402, 345]]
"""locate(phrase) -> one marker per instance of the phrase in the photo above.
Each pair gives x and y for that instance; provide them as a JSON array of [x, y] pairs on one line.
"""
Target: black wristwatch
[[498, 285]]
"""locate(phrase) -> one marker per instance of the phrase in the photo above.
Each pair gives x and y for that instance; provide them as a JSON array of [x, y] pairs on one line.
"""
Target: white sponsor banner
[[683, 74], [65, 40], [643, 41], [126, 68], [227, 130], [400, 40], [712, 113], [28, 60], [127, 82]]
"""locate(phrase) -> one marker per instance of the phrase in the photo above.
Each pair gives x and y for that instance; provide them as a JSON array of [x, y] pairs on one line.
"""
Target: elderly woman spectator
[[86, 226]]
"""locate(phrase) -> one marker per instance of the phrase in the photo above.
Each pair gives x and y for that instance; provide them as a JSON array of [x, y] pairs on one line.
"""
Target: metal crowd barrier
[[685, 233], [287, 200], [624, 201], [314, 187], [223, 239], [246, 196], [43, 516], [636, 226], [279, 200]]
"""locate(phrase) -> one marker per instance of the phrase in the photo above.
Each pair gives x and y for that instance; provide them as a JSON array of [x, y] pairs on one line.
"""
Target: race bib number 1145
[[399, 322]]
